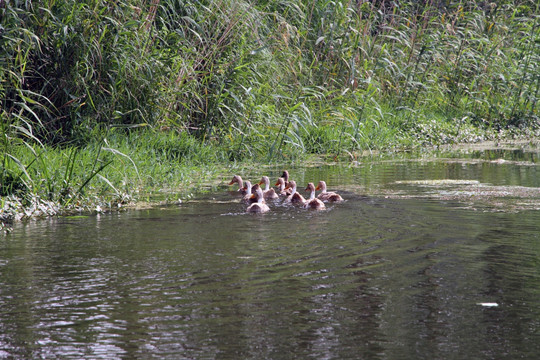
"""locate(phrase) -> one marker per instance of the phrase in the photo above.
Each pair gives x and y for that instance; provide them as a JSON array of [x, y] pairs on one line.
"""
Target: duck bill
[[318, 187]]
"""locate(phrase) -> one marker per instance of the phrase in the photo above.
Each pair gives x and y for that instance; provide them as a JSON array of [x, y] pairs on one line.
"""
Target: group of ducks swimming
[[256, 197]]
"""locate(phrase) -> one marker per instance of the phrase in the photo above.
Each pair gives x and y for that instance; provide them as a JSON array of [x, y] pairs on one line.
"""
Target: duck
[[248, 192], [237, 179], [326, 195], [295, 197], [268, 192], [285, 177], [282, 187], [313, 202], [259, 206]]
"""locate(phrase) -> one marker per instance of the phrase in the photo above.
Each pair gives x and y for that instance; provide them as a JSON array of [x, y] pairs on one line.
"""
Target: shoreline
[[16, 209]]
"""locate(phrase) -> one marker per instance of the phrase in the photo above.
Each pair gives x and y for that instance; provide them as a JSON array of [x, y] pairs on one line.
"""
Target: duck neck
[[312, 195]]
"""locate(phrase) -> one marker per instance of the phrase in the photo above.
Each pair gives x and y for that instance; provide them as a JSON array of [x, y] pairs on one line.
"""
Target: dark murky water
[[402, 269]]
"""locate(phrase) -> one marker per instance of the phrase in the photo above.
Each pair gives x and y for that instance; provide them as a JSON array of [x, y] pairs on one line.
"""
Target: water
[[401, 269]]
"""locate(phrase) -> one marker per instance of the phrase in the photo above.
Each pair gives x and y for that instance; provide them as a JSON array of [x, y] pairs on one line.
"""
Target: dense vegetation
[[126, 94]]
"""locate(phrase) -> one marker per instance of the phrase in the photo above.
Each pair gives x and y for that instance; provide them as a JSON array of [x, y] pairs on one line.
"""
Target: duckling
[[237, 179], [325, 195], [268, 192], [281, 186], [295, 197], [259, 206], [313, 202], [285, 177], [248, 192]]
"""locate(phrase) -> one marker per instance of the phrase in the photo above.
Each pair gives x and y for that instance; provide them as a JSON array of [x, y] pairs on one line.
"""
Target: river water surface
[[425, 259]]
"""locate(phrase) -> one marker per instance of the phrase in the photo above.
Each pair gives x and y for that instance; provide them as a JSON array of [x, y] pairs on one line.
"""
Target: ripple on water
[[396, 270]]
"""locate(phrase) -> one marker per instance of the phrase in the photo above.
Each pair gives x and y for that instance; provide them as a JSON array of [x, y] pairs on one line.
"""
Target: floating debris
[[488, 304], [439, 182], [471, 193]]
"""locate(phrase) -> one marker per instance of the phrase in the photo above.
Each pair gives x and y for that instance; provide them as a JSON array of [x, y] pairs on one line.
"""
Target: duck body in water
[[313, 202], [282, 191], [268, 192], [248, 188], [295, 197], [259, 206], [327, 196]]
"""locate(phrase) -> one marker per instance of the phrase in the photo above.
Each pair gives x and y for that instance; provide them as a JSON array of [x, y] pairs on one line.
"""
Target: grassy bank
[[101, 101], [123, 170], [41, 180]]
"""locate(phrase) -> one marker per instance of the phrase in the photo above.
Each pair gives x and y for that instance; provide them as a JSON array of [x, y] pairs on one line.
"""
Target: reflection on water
[[375, 277]]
